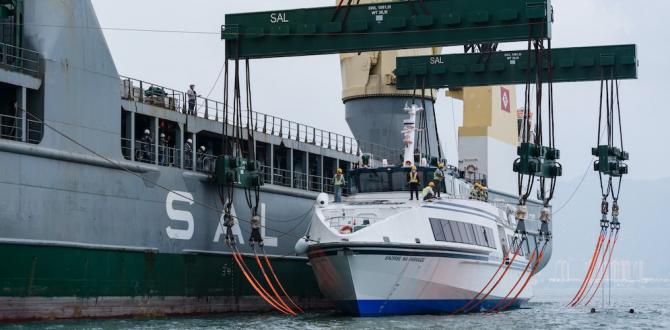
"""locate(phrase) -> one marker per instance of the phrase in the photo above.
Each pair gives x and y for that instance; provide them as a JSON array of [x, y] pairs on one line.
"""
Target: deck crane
[[399, 25]]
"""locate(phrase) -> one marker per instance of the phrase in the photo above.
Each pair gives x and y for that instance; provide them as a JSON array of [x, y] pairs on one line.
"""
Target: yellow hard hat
[[339, 170], [413, 167], [431, 184], [440, 165]]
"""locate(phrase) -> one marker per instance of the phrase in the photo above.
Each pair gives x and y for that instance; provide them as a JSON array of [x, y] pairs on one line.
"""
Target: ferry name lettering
[[405, 259], [278, 18]]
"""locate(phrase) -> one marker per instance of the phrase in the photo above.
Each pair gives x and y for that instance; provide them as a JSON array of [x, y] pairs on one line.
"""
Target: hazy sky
[[307, 89]]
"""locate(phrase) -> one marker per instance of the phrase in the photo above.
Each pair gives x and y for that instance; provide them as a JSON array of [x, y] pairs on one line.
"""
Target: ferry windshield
[[385, 179]]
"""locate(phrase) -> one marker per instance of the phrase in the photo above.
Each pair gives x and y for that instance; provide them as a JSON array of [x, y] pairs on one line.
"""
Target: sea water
[[546, 311]]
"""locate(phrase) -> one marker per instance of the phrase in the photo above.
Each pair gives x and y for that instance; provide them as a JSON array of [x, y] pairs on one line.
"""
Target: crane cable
[[614, 224], [607, 87]]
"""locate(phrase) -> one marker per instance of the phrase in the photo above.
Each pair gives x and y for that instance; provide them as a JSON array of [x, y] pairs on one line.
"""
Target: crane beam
[[511, 67], [382, 26]]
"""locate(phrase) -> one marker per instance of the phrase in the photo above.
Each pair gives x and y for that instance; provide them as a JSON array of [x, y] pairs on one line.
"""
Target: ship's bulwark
[[47, 282]]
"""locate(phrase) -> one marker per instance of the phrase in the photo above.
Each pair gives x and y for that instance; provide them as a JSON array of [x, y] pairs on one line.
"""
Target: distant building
[[562, 270]]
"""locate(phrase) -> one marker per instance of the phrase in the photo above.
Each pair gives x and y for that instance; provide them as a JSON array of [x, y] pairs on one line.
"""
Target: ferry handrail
[[20, 59]]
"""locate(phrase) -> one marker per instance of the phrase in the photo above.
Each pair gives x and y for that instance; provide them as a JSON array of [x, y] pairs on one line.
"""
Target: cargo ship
[[109, 207]]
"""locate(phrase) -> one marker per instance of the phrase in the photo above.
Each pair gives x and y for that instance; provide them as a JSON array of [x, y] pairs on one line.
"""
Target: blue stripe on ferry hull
[[407, 307]]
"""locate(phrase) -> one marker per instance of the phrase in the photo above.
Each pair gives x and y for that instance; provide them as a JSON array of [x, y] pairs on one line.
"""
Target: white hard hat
[[202, 148], [189, 141], [162, 135], [147, 131]]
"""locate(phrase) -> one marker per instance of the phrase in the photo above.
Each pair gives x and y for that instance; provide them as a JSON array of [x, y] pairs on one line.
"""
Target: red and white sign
[[505, 100]]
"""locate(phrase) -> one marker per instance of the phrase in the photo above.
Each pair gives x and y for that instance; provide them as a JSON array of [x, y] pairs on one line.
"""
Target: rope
[[609, 259], [499, 279], [279, 300], [530, 276], [523, 273], [267, 261], [589, 271], [600, 263], [254, 283]]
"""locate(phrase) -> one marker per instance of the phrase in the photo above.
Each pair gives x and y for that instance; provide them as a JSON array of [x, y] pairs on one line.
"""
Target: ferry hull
[[378, 281]]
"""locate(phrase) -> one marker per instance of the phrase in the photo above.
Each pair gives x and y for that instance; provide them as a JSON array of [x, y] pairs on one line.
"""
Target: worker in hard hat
[[413, 179], [188, 154], [428, 193], [338, 185], [163, 150], [202, 158], [146, 146], [479, 192], [438, 178]]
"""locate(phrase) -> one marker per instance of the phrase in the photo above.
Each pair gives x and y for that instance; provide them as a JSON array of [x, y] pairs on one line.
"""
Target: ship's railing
[[298, 180], [145, 92], [470, 177], [145, 152], [20, 59], [153, 94], [11, 128]]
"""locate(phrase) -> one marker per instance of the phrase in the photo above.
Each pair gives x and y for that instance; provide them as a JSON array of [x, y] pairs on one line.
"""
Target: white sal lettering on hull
[[278, 18], [178, 215]]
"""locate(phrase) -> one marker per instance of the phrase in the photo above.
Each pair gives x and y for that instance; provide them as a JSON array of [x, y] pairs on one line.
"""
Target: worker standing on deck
[[438, 178], [192, 97], [188, 154], [428, 193], [338, 185], [413, 180], [162, 150], [146, 144], [203, 160]]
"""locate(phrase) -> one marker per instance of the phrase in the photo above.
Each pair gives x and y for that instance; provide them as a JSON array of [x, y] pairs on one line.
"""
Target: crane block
[[380, 26], [511, 67], [611, 160], [240, 171], [537, 160]]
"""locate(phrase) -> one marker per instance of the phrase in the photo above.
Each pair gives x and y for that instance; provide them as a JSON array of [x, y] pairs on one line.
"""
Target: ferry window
[[373, 182], [471, 233], [436, 225], [463, 231], [457, 234], [479, 235], [448, 234]]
